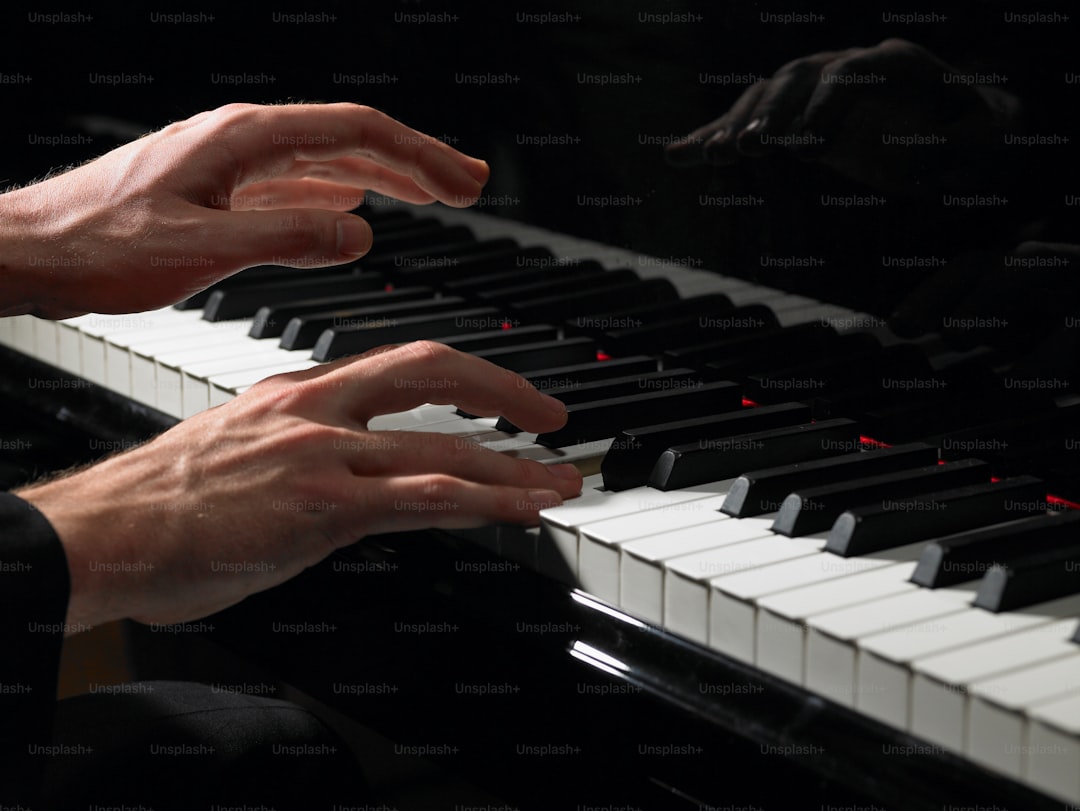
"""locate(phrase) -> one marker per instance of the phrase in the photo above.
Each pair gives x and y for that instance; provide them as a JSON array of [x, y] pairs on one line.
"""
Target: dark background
[[612, 134]]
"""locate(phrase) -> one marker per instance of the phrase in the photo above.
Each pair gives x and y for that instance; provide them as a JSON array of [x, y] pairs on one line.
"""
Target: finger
[[403, 453], [266, 140], [425, 372], [362, 173], [720, 148], [276, 194], [691, 150], [443, 502], [782, 102], [296, 237]]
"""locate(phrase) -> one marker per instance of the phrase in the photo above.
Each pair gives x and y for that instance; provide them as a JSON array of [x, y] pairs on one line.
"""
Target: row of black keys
[[706, 335], [423, 280]]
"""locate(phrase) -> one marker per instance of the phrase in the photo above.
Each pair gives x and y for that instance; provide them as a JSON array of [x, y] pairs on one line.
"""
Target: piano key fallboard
[[754, 489]]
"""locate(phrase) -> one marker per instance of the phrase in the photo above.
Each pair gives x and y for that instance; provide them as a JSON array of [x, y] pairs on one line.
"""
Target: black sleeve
[[34, 589]]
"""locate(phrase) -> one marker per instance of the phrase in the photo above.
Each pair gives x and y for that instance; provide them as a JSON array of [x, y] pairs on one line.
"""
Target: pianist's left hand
[[244, 496], [165, 216]]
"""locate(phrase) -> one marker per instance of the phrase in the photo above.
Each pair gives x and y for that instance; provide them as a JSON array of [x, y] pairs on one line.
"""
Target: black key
[[1037, 577], [754, 353], [551, 285], [268, 274], [712, 460], [304, 330], [530, 357], [670, 379], [667, 380], [835, 374], [762, 491], [735, 357], [605, 418], [969, 555], [244, 302], [383, 216], [814, 509], [473, 285], [270, 321], [641, 315], [339, 343], [562, 377], [438, 263], [895, 522], [415, 239], [630, 460], [574, 301], [492, 339], [690, 330]]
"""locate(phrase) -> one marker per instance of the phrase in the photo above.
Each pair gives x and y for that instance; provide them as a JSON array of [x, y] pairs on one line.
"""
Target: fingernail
[[565, 471], [479, 170], [353, 236], [543, 499]]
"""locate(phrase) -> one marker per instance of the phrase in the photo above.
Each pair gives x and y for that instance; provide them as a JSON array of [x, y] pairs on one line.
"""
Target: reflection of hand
[[1011, 302], [246, 495], [844, 108], [158, 219]]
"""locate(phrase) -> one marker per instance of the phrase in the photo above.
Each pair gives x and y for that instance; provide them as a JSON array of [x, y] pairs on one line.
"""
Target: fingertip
[[354, 237], [478, 170]]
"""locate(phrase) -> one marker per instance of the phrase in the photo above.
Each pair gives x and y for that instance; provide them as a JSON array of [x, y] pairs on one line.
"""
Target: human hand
[[892, 116], [245, 496], [1011, 301], [156, 220]]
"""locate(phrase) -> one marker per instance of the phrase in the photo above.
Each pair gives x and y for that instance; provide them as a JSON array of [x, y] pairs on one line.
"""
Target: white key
[[1053, 748], [225, 387], [414, 419], [641, 564], [885, 660], [93, 334], [598, 548], [686, 579], [7, 331], [996, 730], [69, 357], [939, 694], [22, 334], [119, 348], [194, 377], [781, 623], [560, 526], [46, 340], [833, 638], [733, 609]]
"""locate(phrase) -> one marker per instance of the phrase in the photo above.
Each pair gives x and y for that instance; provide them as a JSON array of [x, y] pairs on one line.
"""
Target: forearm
[[24, 245]]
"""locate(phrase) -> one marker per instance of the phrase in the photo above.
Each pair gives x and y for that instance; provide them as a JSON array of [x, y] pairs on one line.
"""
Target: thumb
[[299, 237]]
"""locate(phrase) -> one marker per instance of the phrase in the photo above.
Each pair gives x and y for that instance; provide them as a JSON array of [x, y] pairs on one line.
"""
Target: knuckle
[[305, 235], [429, 351]]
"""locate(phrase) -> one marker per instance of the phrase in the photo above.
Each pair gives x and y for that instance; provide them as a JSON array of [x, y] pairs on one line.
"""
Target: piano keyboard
[[875, 577]]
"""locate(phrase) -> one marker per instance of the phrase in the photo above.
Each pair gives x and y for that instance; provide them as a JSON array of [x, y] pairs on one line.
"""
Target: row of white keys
[[1010, 715], [886, 660], [561, 527], [601, 541], [940, 692], [734, 604]]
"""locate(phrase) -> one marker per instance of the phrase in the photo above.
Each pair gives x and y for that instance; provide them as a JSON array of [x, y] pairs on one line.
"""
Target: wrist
[[21, 265]]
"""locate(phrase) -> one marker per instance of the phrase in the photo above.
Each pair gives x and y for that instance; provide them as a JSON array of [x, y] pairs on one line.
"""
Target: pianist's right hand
[[244, 496], [235, 187]]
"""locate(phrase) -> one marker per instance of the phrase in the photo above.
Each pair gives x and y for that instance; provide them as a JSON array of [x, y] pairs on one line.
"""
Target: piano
[[808, 556]]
